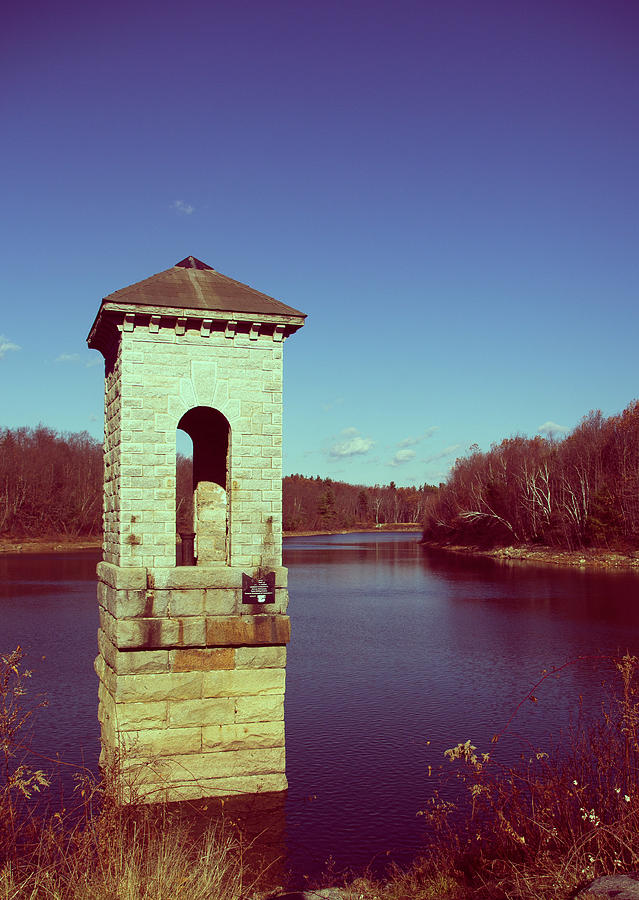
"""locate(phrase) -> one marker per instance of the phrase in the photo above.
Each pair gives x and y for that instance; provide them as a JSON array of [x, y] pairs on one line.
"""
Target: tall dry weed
[[18, 780], [561, 816]]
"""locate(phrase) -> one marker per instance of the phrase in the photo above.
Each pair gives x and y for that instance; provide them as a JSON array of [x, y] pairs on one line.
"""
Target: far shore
[[66, 544], [590, 558], [61, 544], [362, 529]]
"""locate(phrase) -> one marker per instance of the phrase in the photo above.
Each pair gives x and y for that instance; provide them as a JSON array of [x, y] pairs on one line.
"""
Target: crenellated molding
[[179, 322]]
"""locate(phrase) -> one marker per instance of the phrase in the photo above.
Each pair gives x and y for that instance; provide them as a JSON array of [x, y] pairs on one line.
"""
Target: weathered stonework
[[191, 693], [156, 379]]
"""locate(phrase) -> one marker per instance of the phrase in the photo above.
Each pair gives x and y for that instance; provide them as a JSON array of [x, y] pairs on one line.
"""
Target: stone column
[[210, 511]]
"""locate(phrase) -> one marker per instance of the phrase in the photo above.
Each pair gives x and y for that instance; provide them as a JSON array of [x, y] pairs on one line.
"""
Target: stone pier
[[192, 658]]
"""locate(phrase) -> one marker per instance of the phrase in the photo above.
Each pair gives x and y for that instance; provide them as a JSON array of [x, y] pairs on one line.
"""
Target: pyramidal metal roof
[[194, 285]]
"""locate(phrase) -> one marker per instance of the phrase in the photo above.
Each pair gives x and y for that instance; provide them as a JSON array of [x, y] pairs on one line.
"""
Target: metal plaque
[[258, 590]]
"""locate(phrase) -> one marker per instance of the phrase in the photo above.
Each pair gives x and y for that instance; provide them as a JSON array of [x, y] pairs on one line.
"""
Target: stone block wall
[[191, 693], [160, 372], [112, 449]]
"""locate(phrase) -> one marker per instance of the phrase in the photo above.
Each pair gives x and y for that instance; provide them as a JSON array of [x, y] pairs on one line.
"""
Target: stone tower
[[192, 656]]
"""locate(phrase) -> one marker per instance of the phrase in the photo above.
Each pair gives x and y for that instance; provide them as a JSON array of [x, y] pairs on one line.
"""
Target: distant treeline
[[316, 504], [51, 484], [582, 490]]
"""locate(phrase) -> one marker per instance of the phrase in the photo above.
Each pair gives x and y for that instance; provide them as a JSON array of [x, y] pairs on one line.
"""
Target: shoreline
[[591, 558], [49, 545], [63, 544], [371, 529]]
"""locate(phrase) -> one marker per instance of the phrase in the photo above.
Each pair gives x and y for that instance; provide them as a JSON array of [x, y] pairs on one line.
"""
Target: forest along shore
[[591, 558]]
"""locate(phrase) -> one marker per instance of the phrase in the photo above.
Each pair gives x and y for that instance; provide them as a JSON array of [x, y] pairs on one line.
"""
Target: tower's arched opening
[[210, 433], [184, 498]]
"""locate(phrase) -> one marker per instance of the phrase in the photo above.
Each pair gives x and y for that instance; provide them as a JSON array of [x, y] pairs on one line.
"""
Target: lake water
[[397, 654]]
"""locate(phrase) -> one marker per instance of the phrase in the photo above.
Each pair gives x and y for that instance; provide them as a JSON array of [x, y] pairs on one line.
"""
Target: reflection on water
[[396, 654], [394, 647], [48, 605], [258, 820]]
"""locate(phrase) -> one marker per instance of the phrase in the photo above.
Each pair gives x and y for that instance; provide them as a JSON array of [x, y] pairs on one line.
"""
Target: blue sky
[[448, 189]]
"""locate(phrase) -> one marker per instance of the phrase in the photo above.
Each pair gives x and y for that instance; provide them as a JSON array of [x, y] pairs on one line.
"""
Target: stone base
[[191, 696]]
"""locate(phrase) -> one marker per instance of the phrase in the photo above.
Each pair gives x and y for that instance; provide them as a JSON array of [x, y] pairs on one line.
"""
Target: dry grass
[[114, 852], [145, 865], [123, 853]]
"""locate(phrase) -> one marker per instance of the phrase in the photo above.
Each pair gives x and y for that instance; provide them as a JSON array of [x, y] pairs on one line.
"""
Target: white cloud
[[412, 441], [551, 429], [185, 209], [402, 456], [353, 445], [447, 451], [94, 360], [6, 345]]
